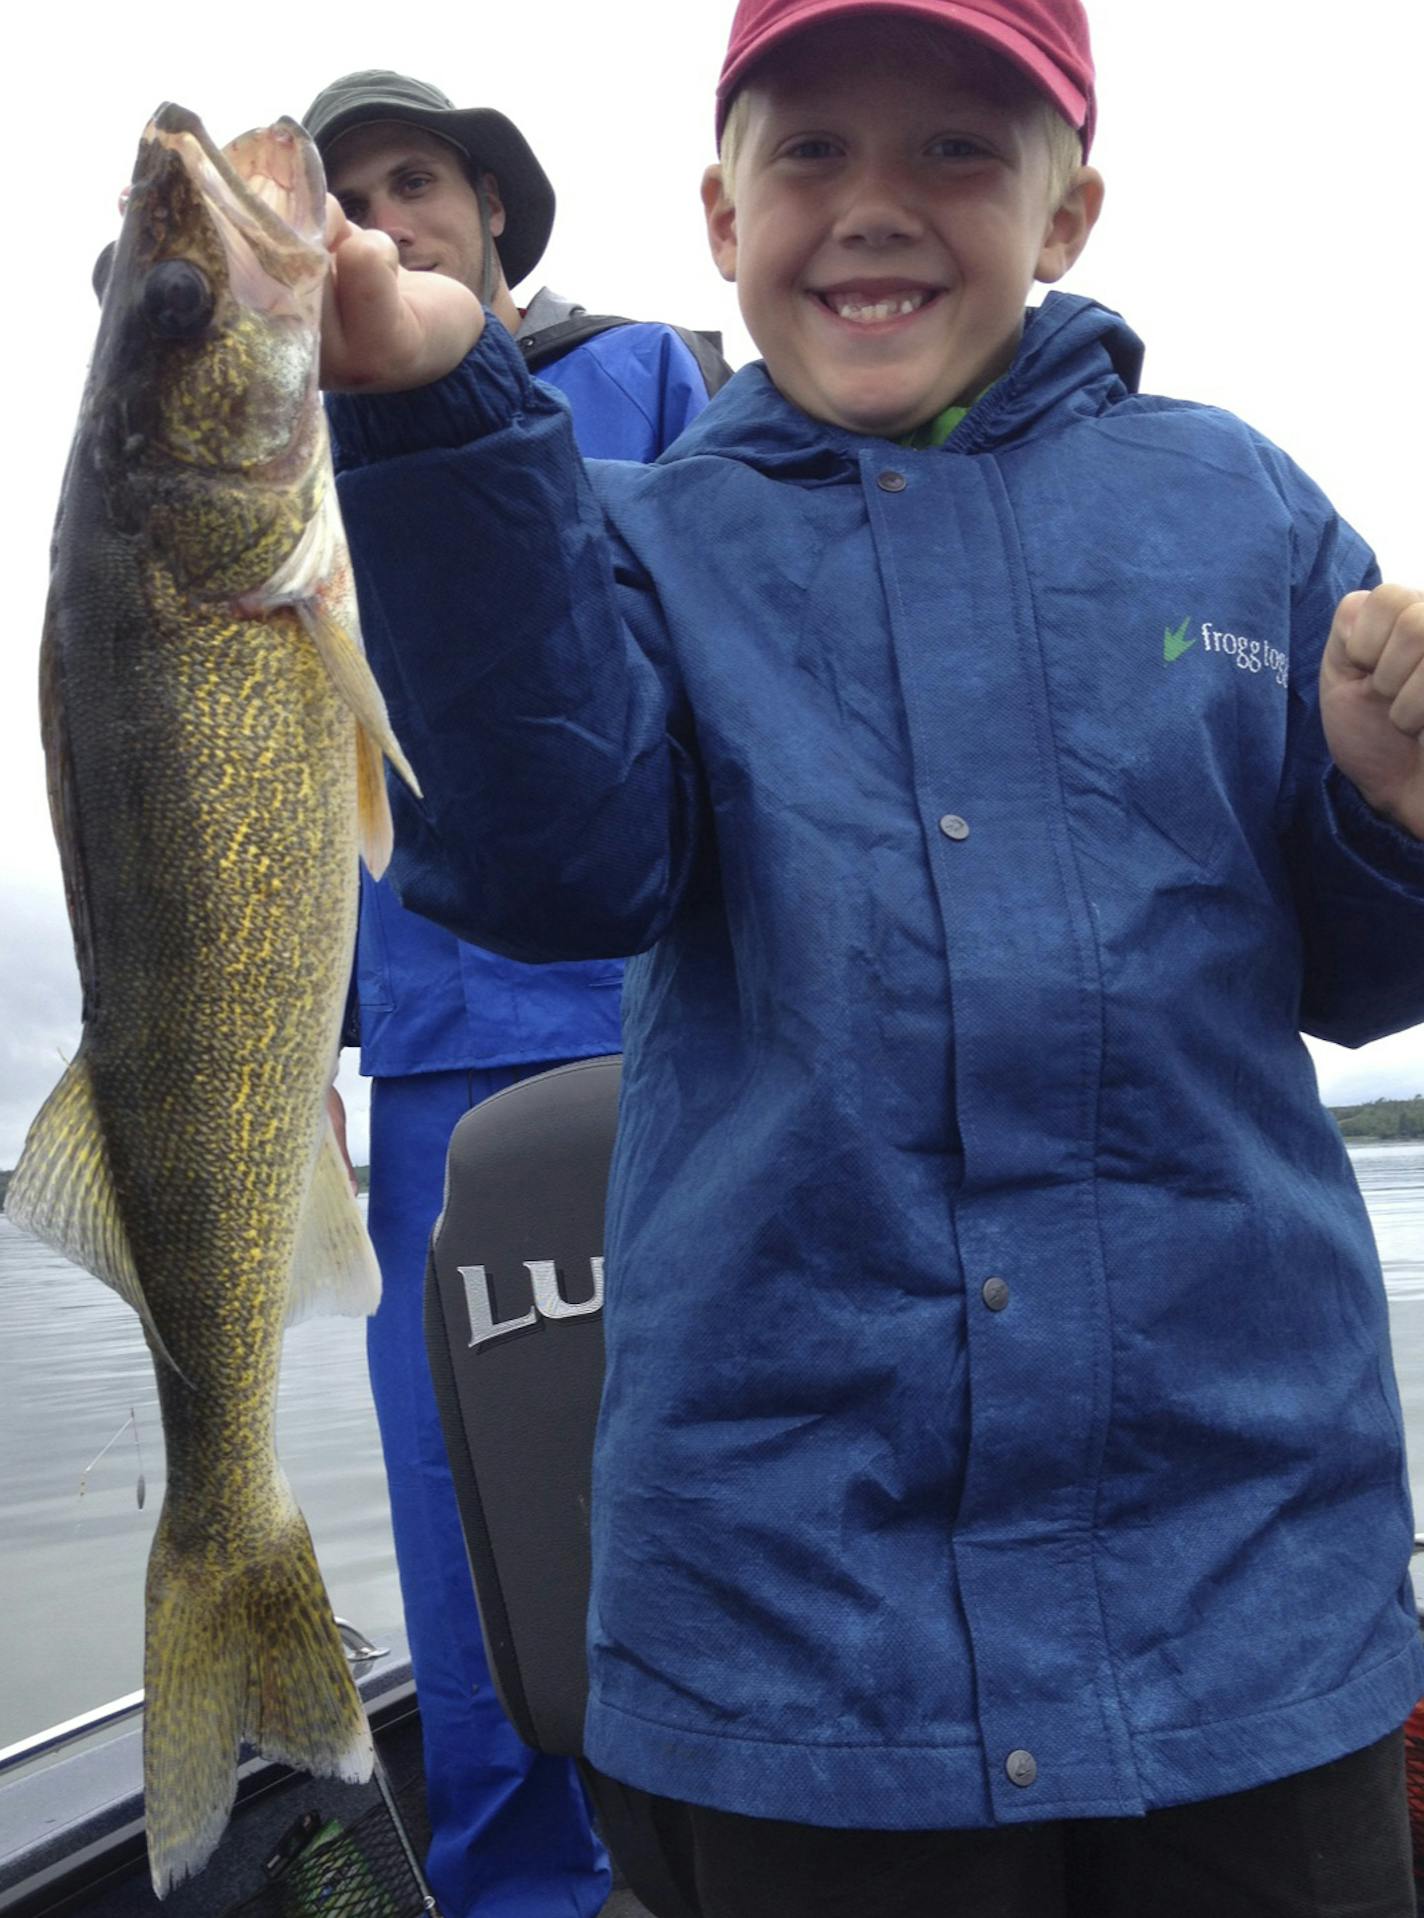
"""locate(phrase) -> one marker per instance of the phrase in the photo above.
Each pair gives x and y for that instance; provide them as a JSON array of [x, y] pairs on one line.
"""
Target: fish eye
[[177, 300]]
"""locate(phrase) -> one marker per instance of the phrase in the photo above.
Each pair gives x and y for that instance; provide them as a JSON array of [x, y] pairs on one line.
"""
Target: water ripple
[[73, 1365]]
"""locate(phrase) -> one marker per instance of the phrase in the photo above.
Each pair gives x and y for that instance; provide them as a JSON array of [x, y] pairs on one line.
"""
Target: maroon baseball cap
[[1046, 39]]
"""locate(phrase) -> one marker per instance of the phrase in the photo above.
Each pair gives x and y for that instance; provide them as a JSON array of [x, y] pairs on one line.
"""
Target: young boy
[[1000, 1503]]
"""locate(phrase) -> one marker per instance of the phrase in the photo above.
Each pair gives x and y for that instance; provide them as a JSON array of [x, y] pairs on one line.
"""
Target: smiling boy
[[999, 1499], [875, 309]]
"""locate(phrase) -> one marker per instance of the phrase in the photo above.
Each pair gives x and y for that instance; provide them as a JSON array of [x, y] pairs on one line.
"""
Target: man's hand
[[1372, 700], [383, 329]]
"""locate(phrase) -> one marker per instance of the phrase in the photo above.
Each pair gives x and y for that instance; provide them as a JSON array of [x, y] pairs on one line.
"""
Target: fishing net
[[326, 1869]]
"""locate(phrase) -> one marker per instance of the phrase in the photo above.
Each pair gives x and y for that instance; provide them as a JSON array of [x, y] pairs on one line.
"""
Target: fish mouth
[[266, 191]]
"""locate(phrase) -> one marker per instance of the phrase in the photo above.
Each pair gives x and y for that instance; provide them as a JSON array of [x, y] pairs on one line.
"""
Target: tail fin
[[232, 1652]]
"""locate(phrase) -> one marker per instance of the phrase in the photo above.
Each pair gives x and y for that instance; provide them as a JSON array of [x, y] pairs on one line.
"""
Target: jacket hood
[[1076, 359]]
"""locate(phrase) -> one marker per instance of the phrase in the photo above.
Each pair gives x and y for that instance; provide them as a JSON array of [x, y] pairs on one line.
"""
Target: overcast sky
[[1264, 196]]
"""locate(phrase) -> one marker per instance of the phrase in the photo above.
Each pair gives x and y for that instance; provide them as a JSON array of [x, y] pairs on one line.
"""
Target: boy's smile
[[865, 303], [887, 216]]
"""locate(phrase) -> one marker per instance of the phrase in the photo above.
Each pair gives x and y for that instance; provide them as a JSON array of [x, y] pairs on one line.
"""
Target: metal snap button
[[1022, 1768], [890, 481], [996, 1294], [953, 827]]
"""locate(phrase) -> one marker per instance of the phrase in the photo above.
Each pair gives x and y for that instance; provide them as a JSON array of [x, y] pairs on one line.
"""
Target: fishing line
[[130, 1422]]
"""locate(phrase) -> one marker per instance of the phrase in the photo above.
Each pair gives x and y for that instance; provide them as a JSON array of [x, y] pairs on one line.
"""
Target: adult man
[[442, 1024]]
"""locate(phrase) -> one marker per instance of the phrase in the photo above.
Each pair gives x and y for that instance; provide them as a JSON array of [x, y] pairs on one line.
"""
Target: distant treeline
[[1380, 1119], [1383, 1119]]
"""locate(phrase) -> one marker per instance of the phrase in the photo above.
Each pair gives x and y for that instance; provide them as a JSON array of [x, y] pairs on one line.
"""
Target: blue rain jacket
[[1000, 1421], [428, 1001]]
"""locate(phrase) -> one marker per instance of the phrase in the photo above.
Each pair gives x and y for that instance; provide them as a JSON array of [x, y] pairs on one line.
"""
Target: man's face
[[413, 185], [888, 214]]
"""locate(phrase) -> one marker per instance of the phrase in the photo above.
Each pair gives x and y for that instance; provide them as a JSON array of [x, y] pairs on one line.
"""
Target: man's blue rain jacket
[[430, 1002], [1000, 1422]]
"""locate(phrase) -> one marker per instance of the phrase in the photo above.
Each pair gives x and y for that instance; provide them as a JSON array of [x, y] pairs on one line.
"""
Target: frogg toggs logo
[[1246, 654], [1175, 644]]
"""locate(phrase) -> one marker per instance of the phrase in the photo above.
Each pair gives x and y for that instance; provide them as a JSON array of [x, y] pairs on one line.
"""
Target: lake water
[[72, 1366]]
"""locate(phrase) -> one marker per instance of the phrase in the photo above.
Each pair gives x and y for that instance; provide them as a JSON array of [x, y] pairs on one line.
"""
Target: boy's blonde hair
[[983, 67]]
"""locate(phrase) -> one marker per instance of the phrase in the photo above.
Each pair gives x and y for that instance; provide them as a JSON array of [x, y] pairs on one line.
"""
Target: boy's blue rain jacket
[[430, 1002], [1000, 1422]]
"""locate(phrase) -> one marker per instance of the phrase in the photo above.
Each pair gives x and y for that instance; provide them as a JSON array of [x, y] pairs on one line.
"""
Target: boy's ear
[[721, 222], [1068, 230]]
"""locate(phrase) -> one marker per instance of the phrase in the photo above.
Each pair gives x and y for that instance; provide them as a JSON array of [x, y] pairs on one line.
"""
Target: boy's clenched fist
[[1372, 699]]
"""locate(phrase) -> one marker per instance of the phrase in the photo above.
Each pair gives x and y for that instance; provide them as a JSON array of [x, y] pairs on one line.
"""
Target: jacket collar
[[547, 308], [1076, 359]]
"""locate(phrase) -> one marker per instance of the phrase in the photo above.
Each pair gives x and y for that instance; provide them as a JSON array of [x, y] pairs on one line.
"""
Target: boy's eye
[[956, 146], [811, 148]]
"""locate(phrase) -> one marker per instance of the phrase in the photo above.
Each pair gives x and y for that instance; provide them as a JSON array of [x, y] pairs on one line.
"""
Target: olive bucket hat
[[492, 143]]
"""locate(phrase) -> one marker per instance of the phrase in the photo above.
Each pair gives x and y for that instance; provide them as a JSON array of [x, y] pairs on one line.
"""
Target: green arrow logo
[[1175, 644]]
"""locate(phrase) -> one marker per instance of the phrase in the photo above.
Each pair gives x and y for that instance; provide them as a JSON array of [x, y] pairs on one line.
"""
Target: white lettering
[[549, 1301], [1250, 655]]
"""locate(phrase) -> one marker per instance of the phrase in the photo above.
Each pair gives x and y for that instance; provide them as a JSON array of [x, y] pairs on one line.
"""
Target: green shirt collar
[[936, 431]]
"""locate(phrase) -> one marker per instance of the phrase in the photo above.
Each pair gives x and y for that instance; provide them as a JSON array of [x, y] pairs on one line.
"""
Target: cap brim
[[1075, 106]]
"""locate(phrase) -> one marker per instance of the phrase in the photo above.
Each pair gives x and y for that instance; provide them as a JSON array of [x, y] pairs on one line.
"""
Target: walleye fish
[[214, 744]]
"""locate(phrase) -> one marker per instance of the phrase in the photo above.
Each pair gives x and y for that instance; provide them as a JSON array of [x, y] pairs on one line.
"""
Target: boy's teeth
[[849, 308]]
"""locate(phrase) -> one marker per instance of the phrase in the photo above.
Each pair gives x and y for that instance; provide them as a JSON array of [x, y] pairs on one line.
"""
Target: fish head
[[202, 401]]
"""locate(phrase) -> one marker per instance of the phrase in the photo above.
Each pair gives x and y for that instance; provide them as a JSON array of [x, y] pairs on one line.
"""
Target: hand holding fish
[[1372, 700], [385, 329]]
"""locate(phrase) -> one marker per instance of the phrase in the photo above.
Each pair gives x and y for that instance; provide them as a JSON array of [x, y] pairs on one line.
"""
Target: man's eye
[[355, 210], [415, 182]]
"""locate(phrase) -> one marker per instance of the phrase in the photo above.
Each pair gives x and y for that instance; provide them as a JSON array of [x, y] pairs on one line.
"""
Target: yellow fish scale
[[232, 408], [227, 538], [217, 1049]]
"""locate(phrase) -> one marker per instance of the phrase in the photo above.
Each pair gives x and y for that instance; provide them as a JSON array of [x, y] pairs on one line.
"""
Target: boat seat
[[514, 1330]]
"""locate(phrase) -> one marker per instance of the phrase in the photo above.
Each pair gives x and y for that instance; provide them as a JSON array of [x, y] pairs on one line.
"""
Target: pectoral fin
[[63, 1191], [344, 660], [315, 581], [334, 1267], [375, 741], [374, 826]]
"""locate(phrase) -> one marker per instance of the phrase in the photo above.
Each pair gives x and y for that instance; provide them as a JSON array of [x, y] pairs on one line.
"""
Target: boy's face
[[890, 214]]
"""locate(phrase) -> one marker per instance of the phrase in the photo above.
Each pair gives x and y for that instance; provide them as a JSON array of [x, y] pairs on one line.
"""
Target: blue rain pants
[[511, 1832]]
